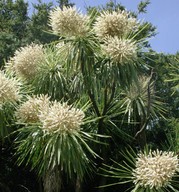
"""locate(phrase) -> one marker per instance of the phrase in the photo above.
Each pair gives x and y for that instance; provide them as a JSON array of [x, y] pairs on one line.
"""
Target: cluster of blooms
[[112, 28], [156, 169], [9, 89], [30, 110], [114, 24], [54, 116], [26, 60], [62, 118], [120, 50], [68, 22], [140, 89]]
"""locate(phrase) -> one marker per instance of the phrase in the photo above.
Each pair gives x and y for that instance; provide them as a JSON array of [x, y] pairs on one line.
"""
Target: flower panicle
[[62, 118], [120, 50], [9, 89], [26, 60], [117, 23], [53, 116], [68, 22], [156, 169], [30, 110]]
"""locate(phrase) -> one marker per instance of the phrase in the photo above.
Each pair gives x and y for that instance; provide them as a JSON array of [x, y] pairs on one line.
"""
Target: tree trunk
[[52, 181], [78, 185]]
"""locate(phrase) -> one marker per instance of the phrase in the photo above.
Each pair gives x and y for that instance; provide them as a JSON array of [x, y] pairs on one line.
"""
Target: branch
[[92, 98], [148, 107], [142, 128], [110, 99]]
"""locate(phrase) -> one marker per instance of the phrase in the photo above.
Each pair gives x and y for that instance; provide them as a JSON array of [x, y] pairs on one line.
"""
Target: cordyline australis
[[150, 171]]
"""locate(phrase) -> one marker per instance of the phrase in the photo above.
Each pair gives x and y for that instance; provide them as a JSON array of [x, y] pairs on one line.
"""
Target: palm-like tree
[[84, 91]]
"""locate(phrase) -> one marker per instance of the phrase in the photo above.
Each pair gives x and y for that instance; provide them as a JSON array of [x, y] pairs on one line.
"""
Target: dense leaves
[[13, 23]]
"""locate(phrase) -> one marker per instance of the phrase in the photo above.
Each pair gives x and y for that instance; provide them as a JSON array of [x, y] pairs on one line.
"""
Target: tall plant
[[87, 93]]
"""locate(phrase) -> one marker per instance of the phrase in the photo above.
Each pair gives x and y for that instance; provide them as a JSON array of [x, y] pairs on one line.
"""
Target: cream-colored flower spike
[[27, 59], [156, 169], [29, 111], [119, 50], [114, 24], [68, 22], [140, 90], [9, 89], [62, 118]]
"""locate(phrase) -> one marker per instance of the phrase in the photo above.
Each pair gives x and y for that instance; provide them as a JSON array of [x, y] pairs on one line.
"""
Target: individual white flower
[[156, 169], [68, 22], [114, 24], [62, 118], [119, 50], [26, 60], [30, 110], [9, 89]]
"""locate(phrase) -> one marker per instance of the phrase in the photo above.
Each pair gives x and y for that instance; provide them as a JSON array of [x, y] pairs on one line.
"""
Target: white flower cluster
[[62, 118], [30, 110], [9, 89], [26, 60], [156, 169], [112, 28], [140, 89], [68, 22], [120, 50], [116, 23], [54, 116]]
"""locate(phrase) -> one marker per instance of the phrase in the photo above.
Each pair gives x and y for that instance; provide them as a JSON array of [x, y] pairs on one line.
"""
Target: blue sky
[[164, 14]]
